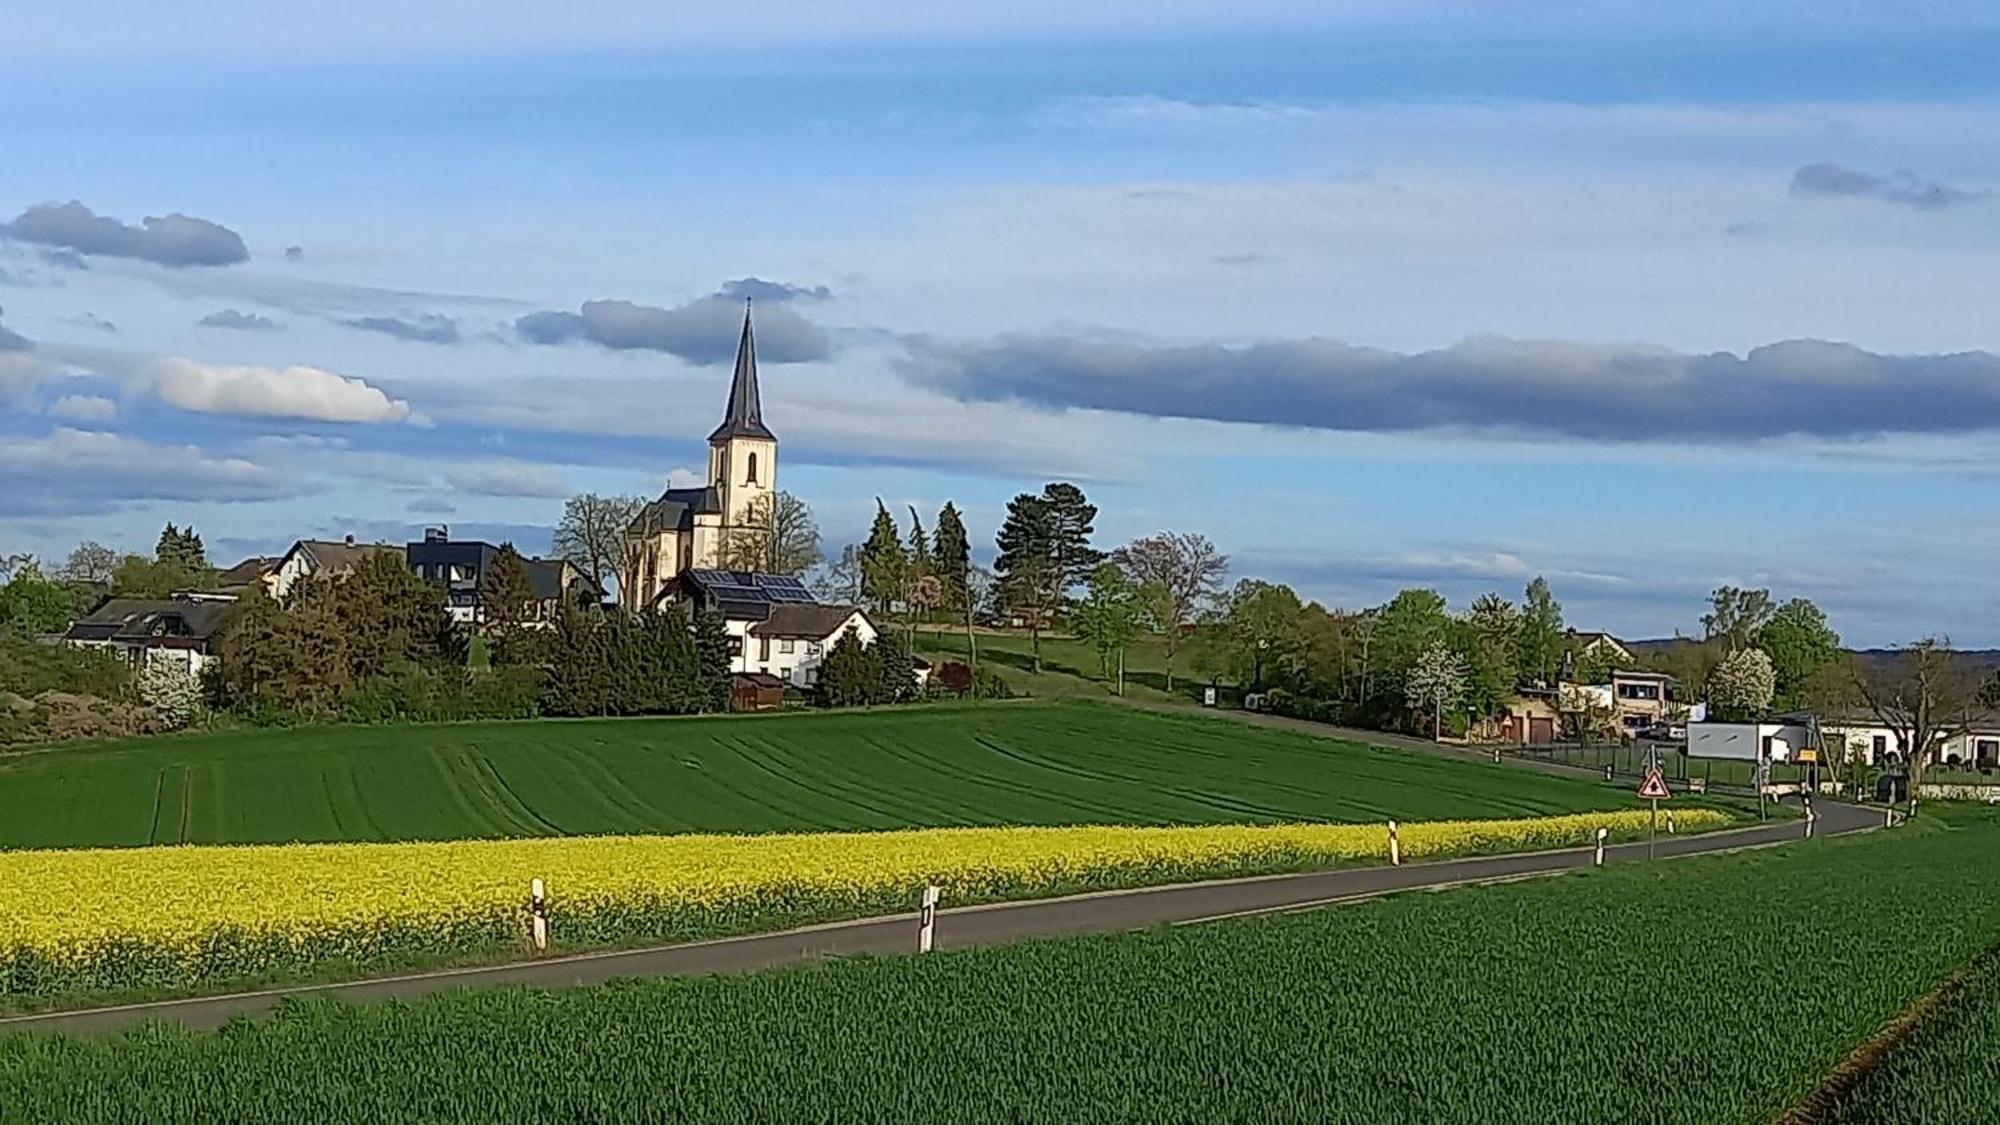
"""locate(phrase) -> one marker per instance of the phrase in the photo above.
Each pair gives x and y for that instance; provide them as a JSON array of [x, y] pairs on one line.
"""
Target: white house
[[1777, 741], [1865, 734], [141, 631], [331, 557], [793, 641]]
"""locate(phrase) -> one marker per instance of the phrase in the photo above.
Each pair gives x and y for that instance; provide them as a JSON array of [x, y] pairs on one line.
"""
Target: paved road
[[967, 926]]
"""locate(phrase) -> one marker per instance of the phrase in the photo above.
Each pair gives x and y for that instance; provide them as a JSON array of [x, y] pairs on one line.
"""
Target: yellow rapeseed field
[[152, 918]]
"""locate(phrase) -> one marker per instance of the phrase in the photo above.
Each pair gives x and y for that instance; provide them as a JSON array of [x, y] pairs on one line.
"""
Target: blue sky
[[1376, 295]]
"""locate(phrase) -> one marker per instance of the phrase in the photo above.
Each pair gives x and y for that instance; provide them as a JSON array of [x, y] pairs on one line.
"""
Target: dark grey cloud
[[1900, 186], [82, 472], [295, 253], [1523, 387], [701, 331], [242, 321], [432, 505], [428, 329], [170, 240], [774, 292]]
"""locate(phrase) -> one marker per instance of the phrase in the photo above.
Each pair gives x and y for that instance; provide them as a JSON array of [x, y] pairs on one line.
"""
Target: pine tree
[[506, 602], [1029, 568], [711, 645], [1074, 520], [898, 671], [851, 675], [951, 556], [883, 562], [920, 546]]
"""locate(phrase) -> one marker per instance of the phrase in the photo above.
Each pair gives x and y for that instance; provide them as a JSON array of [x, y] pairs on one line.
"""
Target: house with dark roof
[[776, 627], [691, 527], [458, 565], [182, 630], [257, 570], [334, 558]]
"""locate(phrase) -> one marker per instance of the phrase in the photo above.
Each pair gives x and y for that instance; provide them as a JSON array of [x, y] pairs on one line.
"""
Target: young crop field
[[1948, 1071], [1717, 989], [1000, 764], [136, 920]]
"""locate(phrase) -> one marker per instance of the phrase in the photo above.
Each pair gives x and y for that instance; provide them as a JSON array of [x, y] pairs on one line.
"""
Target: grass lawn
[[1069, 666], [1005, 763], [1639, 993]]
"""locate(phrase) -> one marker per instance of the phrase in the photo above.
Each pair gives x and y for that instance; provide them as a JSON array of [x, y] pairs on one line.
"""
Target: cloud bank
[[241, 321], [703, 331], [1542, 388], [1898, 187], [74, 472], [428, 329], [170, 240]]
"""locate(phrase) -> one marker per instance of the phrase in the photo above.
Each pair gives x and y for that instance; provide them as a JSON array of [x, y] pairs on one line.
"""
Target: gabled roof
[[743, 595], [248, 571], [138, 619], [341, 556], [817, 622], [745, 414]]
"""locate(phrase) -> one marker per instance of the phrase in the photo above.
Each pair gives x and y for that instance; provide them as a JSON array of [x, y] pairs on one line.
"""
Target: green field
[[1716, 989], [1949, 1070], [1069, 666], [1008, 763]]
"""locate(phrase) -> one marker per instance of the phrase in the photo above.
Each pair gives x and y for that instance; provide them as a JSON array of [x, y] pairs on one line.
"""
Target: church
[[686, 528]]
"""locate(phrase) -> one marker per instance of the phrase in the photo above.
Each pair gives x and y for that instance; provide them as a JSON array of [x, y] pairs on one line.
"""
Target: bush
[[173, 690], [420, 694], [953, 676], [1312, 708], [28, 668], [989, 684], [58, 716]]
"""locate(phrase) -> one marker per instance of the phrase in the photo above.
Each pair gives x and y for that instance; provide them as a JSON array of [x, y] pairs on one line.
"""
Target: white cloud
[[510, 478], [73, 472], [84, 408], [274, 392]]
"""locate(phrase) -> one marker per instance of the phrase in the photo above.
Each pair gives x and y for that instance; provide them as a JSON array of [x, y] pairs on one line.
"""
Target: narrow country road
[[967, 926]]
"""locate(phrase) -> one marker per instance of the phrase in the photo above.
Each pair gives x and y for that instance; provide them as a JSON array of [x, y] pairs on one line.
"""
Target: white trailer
[[1746, 741]]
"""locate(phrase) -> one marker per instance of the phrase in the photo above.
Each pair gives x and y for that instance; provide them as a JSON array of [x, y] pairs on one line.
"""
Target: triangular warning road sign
[[1654, 788]]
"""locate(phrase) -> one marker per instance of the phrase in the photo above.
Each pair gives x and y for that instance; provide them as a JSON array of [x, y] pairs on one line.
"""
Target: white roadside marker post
[[538, 915], [1395, 847], [1670, 822], [927, 920], [1810, 817], [1601, 834], [1888, 816]]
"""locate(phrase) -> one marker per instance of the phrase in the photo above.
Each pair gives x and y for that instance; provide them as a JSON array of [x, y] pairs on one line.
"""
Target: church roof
[[676, 509], [745, 415]]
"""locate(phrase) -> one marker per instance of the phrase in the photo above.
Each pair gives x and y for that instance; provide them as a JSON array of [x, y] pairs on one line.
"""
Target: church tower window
[[751, 476]]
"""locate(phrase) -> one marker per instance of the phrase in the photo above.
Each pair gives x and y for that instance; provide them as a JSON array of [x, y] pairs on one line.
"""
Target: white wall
[[1744, 741], [800, 666]]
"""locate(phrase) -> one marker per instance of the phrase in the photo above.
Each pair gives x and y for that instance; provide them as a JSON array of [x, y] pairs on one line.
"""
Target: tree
[[1108, 619], [90, 562], [1177, 573], [851, 674], [506, 600], [1539, 648], [1261, 627], [920, 545], [1741, 687], [1406, 628], [1800, 643], [1073, 520], [951, 556], [712, 658], [840, 580], [1926, 695], [173, 691], [182, 549], [1736, 616], [591, 535], [1029, 567], [32, 605], [898, 682], [1435, 683], [882, 562], [778, 536]]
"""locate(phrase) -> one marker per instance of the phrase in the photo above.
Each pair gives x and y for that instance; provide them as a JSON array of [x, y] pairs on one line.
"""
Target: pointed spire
[[745, 414]]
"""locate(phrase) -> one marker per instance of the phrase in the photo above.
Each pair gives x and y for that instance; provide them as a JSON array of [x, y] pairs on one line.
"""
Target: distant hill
[[1984, 659]]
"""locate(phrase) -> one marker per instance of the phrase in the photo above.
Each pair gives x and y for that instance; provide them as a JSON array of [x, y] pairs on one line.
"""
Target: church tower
[[742, 452]]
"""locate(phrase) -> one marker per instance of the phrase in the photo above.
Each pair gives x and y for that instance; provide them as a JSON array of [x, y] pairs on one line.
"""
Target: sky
[[1644, 298]]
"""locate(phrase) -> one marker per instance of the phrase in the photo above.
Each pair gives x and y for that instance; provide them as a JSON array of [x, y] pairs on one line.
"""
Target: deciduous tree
[[1742, 686], [1108, 619], [1540, 646], [592, 535], [1736, 616], [1926, 695], [1435, 683], [1800, 643], [1177, 574]]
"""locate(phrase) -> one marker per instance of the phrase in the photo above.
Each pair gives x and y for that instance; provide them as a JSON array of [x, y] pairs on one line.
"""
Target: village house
[[181, 630], [459, 565], [333, 558], [776, 627]]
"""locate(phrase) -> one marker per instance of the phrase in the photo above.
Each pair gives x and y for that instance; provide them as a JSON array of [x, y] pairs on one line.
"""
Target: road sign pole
[[1653, 827]]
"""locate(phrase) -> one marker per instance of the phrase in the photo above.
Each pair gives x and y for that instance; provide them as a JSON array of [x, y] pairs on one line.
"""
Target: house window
[[736, 646], [763, 648], [751, 477], [1638, 691], [812, 648], [1878, 746], [787, 645]]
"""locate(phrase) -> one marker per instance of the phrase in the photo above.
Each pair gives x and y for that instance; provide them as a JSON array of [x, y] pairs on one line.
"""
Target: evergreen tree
[[506, 602], [898, 682], [712, 663], [883, 562], [951, 555], [1029, 566], [579, 667], [1073, 519], [851, 675], [920, 546]]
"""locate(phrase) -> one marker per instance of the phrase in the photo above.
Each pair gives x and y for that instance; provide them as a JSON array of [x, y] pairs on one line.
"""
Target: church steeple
[[744, 418]]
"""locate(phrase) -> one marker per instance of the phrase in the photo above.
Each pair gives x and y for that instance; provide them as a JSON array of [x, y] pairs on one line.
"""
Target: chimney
[[439, 534], [350, 539]]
